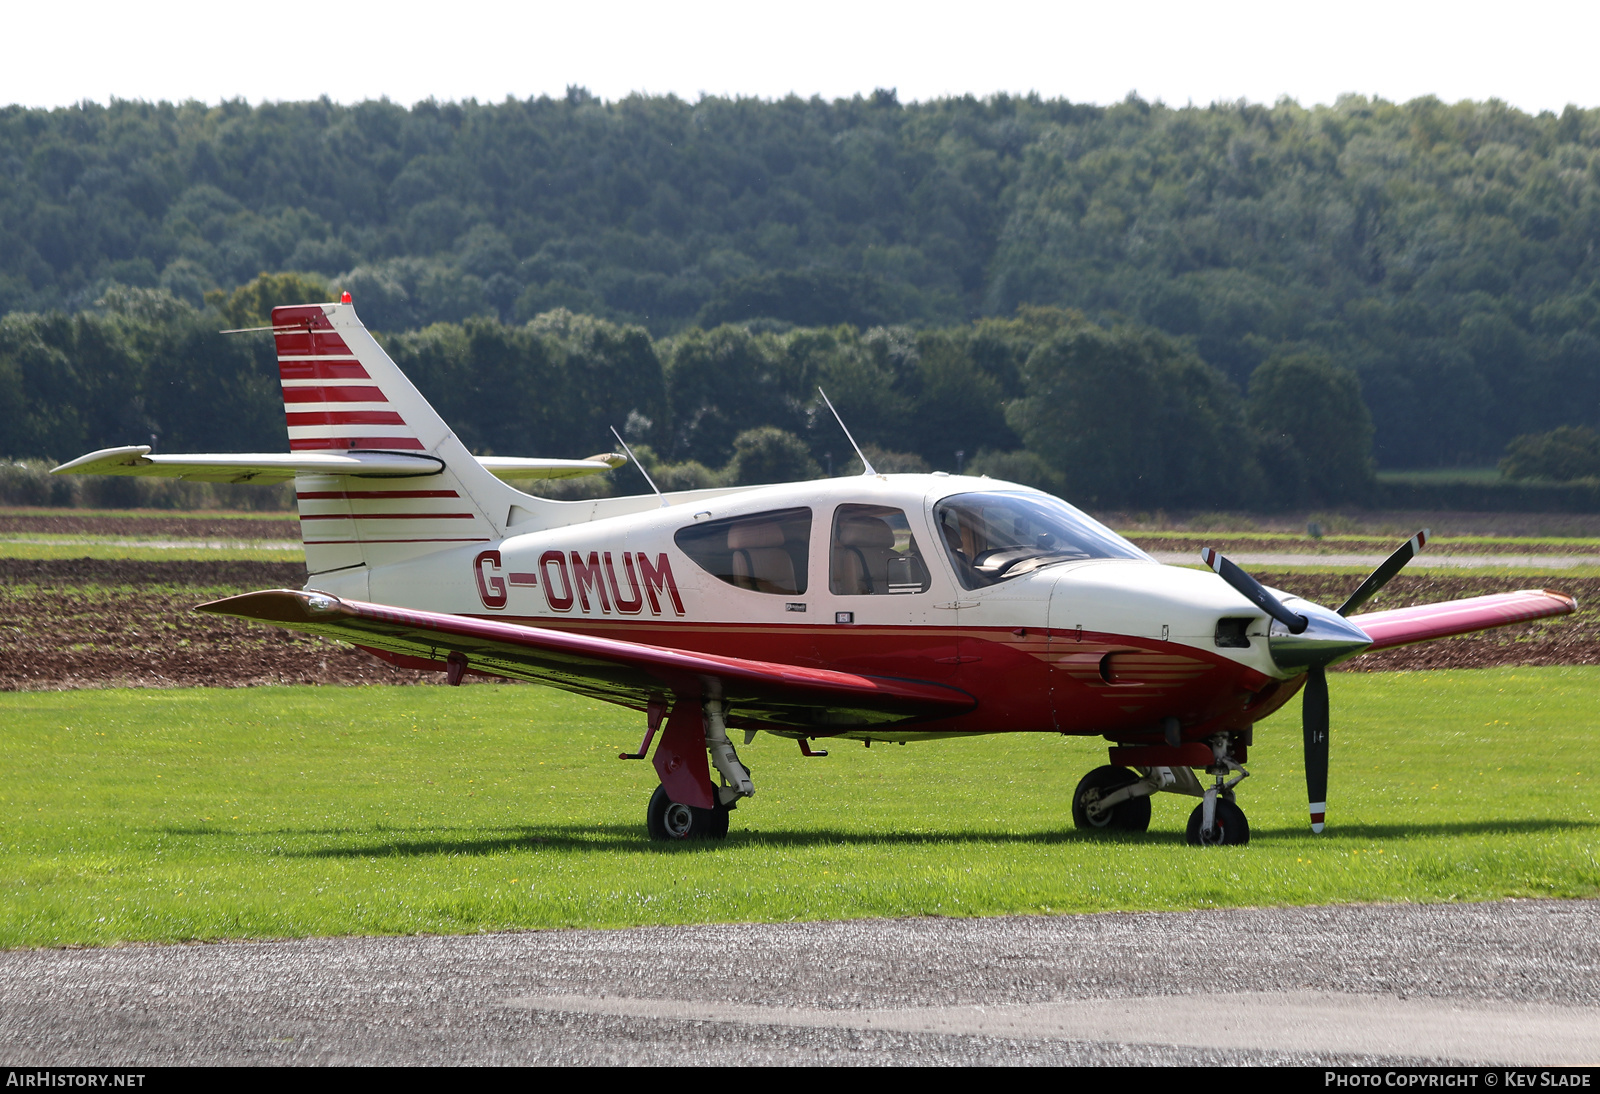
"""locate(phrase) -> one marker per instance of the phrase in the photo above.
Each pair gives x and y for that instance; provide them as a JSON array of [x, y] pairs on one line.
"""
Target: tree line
[[1110, 415], [1443, 254]]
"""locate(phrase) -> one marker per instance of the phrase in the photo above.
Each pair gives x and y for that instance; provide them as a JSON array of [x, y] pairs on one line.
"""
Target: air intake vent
[[1234, 633]]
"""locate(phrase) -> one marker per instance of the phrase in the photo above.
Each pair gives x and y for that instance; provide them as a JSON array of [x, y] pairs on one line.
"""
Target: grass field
[[198, 813]]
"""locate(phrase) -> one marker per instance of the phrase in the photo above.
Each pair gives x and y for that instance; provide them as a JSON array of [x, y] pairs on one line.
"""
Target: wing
[[272, 467], [1402, 626], [630, 673]]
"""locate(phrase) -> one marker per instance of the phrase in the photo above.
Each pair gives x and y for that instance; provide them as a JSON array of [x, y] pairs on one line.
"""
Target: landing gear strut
[[703, 814], [1217, 820]]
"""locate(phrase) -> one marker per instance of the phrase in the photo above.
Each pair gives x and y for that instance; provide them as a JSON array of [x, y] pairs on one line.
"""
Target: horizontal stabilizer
[[518, 467], [1403, 626], [274, 467], [631, 673]]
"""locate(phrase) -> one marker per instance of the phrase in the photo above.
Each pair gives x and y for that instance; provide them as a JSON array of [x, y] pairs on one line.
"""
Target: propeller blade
[[1380, 577], [1252, 590], [1314, 723]]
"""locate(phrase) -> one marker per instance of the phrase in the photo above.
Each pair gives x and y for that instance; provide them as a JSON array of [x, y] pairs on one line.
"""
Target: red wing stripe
[[388, 516], [321, 370], [358, 443], [348, 393], [342, 495], [346, 417]]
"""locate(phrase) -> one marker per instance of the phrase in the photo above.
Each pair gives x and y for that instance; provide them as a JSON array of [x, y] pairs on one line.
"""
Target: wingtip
[[274, 606]]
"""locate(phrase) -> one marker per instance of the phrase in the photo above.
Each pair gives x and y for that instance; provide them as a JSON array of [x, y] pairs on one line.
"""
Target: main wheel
[[1230, 828], [1128, 815], [670, 820]]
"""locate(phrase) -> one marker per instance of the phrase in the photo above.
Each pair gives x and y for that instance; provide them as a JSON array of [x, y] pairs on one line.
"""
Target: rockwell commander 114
[[874, 607]]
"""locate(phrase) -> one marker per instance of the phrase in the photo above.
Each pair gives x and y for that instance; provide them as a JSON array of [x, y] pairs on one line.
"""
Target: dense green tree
[[725, 381], [1317, 429], [1561, 455], [251, 304], [768, 455], [1130, 417]]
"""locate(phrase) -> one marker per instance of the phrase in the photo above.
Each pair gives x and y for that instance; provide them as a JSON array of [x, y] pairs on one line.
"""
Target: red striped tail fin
[[342, 393]]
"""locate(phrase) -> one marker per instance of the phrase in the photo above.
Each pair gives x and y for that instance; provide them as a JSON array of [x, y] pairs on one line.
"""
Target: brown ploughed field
[[92, 623], [68, 523]]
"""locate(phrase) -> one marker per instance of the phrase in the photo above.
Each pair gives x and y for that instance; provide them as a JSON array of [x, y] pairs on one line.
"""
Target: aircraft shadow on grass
[[612, 837]]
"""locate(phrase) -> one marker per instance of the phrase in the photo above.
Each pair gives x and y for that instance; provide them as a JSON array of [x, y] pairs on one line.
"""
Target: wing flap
[[760, 693], [1403, 626]]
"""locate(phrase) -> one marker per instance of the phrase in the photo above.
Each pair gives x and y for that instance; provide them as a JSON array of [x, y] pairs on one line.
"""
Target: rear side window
[[763, 552]]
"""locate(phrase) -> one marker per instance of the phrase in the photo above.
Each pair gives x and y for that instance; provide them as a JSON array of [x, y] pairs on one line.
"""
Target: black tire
[[1232, 829], [1131, 815], [671, 821]]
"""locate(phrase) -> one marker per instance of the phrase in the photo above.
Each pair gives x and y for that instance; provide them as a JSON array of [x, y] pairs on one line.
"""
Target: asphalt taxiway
[[1513, 982]]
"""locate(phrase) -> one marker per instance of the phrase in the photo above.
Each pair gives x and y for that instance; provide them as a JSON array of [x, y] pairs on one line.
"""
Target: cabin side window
[[762, 552], [874, 553]]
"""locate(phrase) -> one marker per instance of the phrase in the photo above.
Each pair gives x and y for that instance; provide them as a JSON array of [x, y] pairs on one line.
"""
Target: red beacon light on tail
[[344, 297]]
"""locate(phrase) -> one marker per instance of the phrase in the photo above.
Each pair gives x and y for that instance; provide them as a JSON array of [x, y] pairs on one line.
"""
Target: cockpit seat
[[861, 552], [760, 562]]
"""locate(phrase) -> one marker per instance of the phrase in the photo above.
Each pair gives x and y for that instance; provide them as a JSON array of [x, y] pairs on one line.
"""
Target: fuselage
[[885, 575]]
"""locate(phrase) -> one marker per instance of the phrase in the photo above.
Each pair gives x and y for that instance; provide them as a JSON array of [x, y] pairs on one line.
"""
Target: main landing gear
[[670, 820], [1113, 798], [687, 805]]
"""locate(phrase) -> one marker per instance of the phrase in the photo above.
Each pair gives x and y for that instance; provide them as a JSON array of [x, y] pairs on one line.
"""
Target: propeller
[[1312, 640]]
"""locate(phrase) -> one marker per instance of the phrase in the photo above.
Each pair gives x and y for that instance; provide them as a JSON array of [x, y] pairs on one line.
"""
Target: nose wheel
[[1228, 826], [1217, 821]]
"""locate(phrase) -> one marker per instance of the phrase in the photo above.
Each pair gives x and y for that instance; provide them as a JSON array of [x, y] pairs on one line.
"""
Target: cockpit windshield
[[991, 537]]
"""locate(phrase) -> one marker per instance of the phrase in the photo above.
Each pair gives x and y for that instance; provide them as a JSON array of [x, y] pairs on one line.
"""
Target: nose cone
[[1328, 639]]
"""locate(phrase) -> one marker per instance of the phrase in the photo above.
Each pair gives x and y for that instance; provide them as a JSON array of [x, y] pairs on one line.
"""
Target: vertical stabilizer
[[343, 393]]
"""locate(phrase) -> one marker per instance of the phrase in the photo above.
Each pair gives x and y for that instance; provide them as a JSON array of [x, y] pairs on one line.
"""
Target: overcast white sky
[[1535, 55]]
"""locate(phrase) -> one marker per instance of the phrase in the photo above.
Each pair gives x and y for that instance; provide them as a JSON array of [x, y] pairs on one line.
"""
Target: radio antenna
[[864, 461], [640, 466]]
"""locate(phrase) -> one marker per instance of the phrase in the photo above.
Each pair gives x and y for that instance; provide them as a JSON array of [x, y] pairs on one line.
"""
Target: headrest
[[744, 536], [865, 532]]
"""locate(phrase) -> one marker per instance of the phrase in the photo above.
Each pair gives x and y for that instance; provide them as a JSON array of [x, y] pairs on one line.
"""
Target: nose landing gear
[[1217, 820]]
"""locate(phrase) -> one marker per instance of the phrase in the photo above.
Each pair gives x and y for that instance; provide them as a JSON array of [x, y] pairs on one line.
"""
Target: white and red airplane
[[874, 608]]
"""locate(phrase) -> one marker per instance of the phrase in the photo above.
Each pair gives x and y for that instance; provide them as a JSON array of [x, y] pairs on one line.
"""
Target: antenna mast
[[640, 466], [852, 440]]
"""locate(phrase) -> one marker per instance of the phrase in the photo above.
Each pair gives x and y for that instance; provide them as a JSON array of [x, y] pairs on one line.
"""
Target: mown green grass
[[184, 814]]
